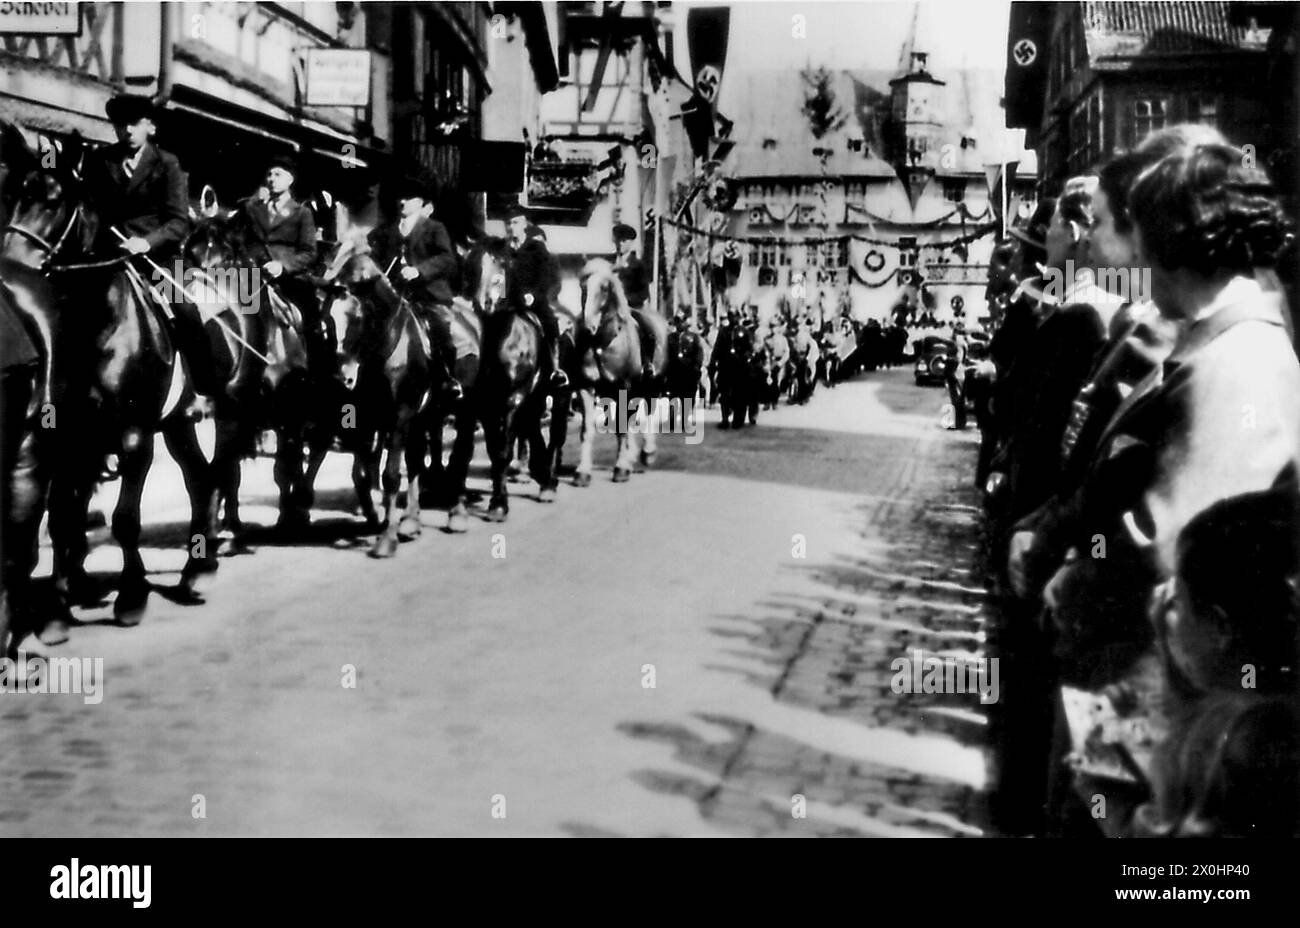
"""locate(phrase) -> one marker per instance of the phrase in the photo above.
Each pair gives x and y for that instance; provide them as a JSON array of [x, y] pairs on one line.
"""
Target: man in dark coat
[[140, 191], [281, 234], [138, 187], [530, 282], [420, 247], [631, 270]]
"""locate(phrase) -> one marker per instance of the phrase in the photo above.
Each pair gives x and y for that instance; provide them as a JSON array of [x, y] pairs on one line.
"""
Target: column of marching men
[[1140, 426]]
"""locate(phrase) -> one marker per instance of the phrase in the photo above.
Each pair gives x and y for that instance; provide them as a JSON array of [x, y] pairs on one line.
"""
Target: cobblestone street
[[511, 694]]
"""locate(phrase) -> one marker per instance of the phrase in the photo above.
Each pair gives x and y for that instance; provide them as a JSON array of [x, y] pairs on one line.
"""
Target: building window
[[907, 251], [769, 255], [954, 189], [1204, 110], [1085, 135], [1149, 114]]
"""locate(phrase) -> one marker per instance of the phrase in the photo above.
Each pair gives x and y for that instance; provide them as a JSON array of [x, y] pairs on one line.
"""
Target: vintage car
[[933, 354]]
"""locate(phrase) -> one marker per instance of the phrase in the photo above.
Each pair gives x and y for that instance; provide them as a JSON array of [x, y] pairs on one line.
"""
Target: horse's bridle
[[44, 244]]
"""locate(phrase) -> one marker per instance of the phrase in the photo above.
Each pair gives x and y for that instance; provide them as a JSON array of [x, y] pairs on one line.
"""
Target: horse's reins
[[166, 306]]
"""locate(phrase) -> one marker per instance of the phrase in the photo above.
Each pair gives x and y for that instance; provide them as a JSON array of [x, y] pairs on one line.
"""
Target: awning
[[38, 117]]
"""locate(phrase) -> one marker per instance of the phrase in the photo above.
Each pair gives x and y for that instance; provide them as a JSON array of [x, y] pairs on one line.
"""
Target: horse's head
[[603, 296], [483, 275], [353, 266], [214, 240], [347, 316], [48, 217]]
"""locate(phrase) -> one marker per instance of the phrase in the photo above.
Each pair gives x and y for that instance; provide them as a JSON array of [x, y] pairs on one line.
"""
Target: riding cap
[[516, 209], [624, 232], [127, 108]]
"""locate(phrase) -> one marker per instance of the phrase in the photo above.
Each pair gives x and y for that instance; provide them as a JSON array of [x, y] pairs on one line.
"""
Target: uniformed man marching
[[532, 280], [427, 267], [281, 235]]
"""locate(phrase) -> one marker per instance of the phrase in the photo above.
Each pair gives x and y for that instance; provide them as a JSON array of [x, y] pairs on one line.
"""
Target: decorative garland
[[959, 210], [874, 261], [691, 230]]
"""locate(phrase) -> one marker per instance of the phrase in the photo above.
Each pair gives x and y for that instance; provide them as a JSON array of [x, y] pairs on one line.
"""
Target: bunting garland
[[690, 230]]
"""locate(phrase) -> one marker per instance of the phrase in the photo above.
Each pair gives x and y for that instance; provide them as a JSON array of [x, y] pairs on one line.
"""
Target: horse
[[273, 387], [122, 378], [510, 396], [384, 349], [619, 355], [482, 285]]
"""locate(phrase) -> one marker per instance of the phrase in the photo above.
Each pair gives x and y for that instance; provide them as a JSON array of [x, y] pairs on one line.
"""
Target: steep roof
[[1129, 30], [774, 140]]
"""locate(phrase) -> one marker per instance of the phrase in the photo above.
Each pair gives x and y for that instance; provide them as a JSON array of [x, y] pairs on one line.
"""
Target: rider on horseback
[[283, 232], [531, 281], [422, 248]]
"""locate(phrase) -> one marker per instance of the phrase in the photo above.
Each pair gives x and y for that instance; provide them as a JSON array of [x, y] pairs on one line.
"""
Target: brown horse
[[619, 356], [121, 378], [383, 348], [273, 386], [510, 398]]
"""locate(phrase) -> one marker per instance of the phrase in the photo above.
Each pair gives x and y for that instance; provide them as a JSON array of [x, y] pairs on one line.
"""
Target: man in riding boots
[[420, 248], [281, 233], [531, 282]]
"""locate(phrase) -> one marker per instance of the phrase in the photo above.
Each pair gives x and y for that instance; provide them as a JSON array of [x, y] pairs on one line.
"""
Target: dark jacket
[[531, 272], [1054, 365], [636, 282], [152, 203], [429, 250], [287, 236]]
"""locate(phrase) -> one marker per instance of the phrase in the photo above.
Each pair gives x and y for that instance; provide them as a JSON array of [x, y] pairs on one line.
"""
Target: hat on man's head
[[126, 108], [418, 185], [284, 163], [517, 209], [624, 232]]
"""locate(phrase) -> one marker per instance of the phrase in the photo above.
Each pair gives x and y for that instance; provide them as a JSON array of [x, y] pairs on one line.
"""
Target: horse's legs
[[587, 436], [288, 476], [365, 463], [225, 472], [626, 454], [183, 444], [391, 448], [462, 451], [416, 446], [133, 588], [496, 435]]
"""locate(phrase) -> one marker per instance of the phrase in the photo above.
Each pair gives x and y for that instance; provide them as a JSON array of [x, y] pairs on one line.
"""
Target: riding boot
[[451, 387], [551, 335]]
